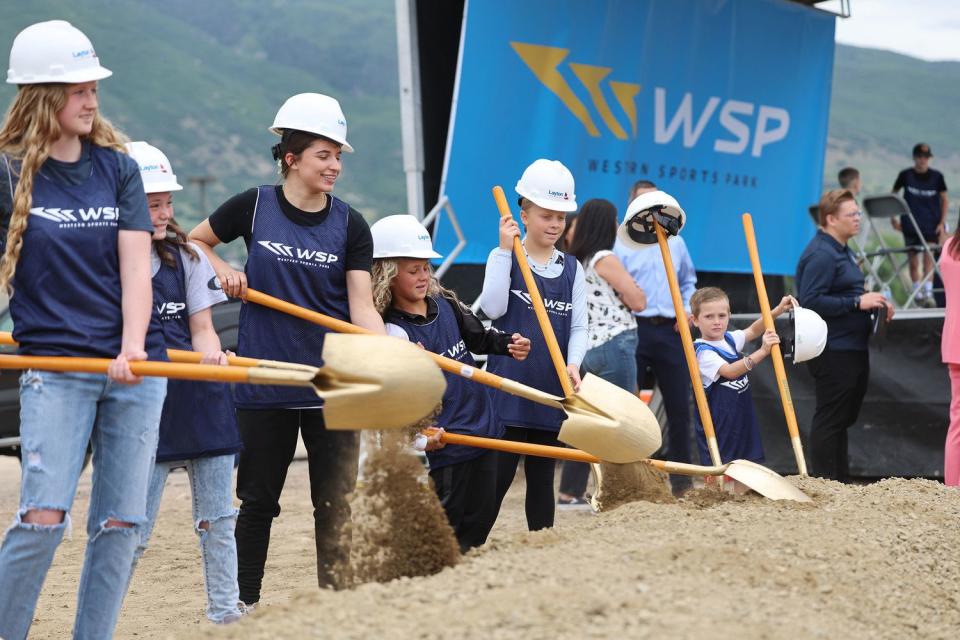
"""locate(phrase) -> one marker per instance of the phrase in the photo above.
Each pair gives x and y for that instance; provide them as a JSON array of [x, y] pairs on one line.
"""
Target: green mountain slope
[[203, 80], [882, 104]]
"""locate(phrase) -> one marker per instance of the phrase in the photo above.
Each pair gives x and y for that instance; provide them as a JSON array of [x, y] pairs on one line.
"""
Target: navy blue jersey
[[300, 264], [922, 193], [198, 418], [731, 407], [537, 370], [466, 406], [67, 299]]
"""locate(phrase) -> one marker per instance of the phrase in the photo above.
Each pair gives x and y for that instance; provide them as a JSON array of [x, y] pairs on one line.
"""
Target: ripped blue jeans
[[211, 485], [59, 414]]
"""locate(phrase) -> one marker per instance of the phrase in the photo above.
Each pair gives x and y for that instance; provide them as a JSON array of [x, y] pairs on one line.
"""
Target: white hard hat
[[803, 334], [401, 236], [314, 113], [810, 334], [548, 184], [637, 231], [53, 51], [155, 169]]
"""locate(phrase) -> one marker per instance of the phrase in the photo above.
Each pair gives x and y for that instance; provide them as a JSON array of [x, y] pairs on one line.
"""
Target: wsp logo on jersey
[[170, 310], [79, 218], [741, 121], [456, 350], [740, 385], [557, 306], [310, 257]]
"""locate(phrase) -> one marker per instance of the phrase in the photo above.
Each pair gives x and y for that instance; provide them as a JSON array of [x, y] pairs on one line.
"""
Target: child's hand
[[770, 338], [433, 441], [509, 229], [574, 372], [214, 357], [519, 347], [786, 303]]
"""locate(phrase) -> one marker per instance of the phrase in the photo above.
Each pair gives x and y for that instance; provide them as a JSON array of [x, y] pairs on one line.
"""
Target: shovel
[[636, 422], [775, 353], [195, 357], [603, 423], [705, 418], [756, 477], [368, 382]]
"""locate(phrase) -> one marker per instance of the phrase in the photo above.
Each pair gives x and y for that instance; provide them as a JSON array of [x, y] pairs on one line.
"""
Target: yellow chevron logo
[[545, 63]]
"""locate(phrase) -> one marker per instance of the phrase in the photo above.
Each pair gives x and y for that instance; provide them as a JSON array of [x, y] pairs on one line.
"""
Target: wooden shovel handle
[[175, 355], [536, 300], [180, 371], [449, 365], [775, 353], [508, 446], [688, 350], [563, 453]]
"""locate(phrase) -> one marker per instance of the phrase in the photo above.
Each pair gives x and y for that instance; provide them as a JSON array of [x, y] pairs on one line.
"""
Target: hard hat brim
[[419, 255], [161, 187], [73, 77], [344, 145]]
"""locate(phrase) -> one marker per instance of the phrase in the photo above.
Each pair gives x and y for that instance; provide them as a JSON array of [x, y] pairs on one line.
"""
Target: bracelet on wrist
[[748, 363]]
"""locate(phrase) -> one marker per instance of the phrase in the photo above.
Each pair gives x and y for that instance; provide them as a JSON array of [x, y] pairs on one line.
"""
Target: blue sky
[[928, 29]]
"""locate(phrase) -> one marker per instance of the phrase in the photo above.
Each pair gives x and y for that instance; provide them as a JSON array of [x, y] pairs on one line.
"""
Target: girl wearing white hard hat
[[308, 247], [77, 260], [546, 191], [198, 427], [417, 308]]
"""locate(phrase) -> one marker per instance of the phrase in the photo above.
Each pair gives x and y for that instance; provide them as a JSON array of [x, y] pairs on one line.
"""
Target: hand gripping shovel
[[764, 481], [775, 352], [606, 426], [635, 425], [367, 382]]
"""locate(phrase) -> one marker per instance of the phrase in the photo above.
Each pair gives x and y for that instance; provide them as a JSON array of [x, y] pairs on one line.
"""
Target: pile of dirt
[[874, 561], [399, 528]]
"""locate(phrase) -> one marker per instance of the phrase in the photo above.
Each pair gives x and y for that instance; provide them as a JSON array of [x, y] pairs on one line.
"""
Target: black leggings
[[269, 443], [541, 501], [467, 491]]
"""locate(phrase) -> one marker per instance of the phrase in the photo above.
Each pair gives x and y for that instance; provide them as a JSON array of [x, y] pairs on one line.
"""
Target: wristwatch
[[856, 302]]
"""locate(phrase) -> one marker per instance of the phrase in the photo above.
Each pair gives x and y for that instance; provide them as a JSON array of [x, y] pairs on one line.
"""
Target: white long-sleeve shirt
[[496, 294]]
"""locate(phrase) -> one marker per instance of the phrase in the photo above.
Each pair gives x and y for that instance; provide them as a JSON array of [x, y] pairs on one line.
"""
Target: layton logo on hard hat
[[86, 53], [735, 116], [558, 194], [154, 167]]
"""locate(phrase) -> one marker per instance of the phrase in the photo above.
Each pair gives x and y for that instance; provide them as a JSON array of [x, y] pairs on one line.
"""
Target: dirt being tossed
[[399, 527], [874, 561], [619, 484]]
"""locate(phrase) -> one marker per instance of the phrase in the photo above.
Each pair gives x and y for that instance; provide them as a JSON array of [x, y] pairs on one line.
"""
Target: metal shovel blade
[[765, 481], [609, 422], [393, 379]]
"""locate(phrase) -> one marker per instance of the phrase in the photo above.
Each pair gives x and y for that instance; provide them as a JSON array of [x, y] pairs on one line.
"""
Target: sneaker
[[572, 503], [246, 609]]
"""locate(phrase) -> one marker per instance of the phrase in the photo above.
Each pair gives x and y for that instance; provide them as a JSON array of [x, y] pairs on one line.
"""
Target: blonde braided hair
[[383, 272], [30, 128]]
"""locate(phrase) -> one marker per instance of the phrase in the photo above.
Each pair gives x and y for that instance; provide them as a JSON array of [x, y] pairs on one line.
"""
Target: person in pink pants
[[950, 354]]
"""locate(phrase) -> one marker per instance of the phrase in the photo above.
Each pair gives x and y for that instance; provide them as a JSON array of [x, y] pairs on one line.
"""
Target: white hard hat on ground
[[637, 230], [314, 113], [803, 334], [53, 51], [548, 184], [155, 169], [401, 236]]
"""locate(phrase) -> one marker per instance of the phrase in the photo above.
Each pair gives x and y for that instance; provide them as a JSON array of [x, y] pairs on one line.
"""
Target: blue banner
[[722, 103]]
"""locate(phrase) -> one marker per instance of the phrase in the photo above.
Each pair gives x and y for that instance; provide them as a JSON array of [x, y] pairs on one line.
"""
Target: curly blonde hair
[[29, 130], [383, 272]]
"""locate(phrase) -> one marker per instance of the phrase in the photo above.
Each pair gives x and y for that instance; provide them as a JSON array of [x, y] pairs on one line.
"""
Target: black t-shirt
[[234, 219], [922, 193]]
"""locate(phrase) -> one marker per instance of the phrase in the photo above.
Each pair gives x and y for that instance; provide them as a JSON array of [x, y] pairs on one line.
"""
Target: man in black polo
[[925, 191], [830, 283]]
